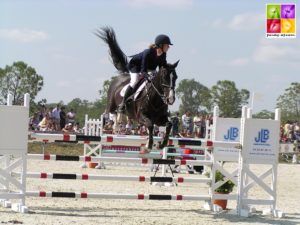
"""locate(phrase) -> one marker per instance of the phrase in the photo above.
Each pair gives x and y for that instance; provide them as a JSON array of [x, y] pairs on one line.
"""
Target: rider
[[146, 61]]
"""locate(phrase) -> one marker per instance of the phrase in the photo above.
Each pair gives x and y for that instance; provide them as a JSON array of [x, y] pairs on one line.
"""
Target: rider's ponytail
[[153, 46]]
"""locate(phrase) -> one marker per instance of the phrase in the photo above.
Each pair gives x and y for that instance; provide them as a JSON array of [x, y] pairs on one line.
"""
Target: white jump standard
[[13, 144]]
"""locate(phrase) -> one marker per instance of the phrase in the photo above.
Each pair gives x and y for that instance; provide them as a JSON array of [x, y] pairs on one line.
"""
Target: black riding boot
[[128, 92]]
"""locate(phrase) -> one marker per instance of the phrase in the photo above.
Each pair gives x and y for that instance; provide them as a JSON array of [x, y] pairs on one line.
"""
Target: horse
[[150, 106]]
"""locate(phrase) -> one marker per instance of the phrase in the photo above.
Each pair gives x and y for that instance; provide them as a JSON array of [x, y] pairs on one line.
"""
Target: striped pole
[[114, 159], [150, 154], [127, 140], [117, 139], [141, 140], [53, 194], [73, 138], [75, 176]]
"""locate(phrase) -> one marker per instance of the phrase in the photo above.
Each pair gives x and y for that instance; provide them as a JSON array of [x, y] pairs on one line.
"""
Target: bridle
[[170, 86]]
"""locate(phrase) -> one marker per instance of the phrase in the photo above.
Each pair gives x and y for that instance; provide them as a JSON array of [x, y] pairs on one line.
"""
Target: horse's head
[[168, 82]]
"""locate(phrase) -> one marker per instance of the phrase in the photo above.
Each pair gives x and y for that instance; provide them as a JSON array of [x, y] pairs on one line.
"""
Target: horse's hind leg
[[167, 135]]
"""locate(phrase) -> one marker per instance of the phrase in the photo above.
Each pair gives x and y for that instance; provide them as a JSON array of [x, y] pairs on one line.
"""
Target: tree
[[229, 99], [92, 109], [264, 114], [17, 80], [2, 98], [35, 106], [289, 102], [193, 95], [83, 107], [103, 92]]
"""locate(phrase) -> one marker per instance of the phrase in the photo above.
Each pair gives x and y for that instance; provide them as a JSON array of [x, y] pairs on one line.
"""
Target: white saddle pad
[[137, 93]]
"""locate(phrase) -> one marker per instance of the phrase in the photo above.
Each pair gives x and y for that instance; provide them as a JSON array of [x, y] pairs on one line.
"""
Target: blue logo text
[[232, 134], [263, 136]]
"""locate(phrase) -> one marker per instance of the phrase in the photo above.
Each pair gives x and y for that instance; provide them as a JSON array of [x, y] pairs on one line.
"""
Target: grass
[[56, 148]]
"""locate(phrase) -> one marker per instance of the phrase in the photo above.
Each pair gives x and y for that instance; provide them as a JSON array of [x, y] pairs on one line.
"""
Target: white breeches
[[133, 79]]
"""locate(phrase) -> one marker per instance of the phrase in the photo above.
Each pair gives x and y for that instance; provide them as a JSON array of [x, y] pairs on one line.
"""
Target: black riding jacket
[[146, 61]]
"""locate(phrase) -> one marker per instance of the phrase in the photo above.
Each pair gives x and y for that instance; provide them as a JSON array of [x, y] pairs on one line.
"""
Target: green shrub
[[226, 187]]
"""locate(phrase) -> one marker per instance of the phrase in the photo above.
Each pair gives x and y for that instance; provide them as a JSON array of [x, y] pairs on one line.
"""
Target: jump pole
[[86, 177], [49, 194], [114, 159]]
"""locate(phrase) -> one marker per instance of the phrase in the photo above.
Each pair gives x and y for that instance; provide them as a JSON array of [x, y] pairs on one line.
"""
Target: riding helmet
[[162, 39]]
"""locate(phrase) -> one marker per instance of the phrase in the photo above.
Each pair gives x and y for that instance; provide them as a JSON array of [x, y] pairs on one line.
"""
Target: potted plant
[[225, 188]]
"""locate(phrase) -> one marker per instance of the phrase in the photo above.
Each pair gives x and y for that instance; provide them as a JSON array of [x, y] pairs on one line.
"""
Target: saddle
[[136, 90], [142, 80], [139, 83]]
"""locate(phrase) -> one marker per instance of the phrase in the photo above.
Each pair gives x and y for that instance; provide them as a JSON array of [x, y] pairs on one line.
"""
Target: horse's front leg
[[167, 135], [149, 125], [150, 138]]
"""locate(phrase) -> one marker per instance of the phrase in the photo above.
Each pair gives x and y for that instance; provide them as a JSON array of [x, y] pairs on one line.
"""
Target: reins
[[162, 96]]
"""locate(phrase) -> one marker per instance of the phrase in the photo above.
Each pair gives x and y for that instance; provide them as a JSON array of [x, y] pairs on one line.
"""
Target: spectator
[[189, 134], [46, 123], [136, 130], [128, 127], [288, 131], [113, 117], [68, 128], [183, 133], [42, 112], [175, 124], [155, 130], [51, 126], [71, 116], [56, 117], [105, 117], [62, 116], [203, 127], [209, 117], [122, 128], [34, 121], [297, 131], [76, 128], [143, 130], [187, 124], [197, 125], [49, 112], [108, 127], [282, 136]]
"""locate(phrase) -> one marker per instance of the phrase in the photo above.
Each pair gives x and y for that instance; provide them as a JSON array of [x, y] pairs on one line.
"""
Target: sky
[[214, 40]]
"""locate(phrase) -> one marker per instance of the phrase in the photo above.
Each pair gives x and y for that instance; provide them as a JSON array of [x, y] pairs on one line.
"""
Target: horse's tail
[[107, 34]]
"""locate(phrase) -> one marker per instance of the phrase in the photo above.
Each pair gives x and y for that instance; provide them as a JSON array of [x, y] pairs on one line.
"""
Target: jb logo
[[232, 134], [263, 136]]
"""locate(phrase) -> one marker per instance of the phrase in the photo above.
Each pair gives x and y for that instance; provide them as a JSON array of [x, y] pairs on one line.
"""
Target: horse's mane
[[119, 59]]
